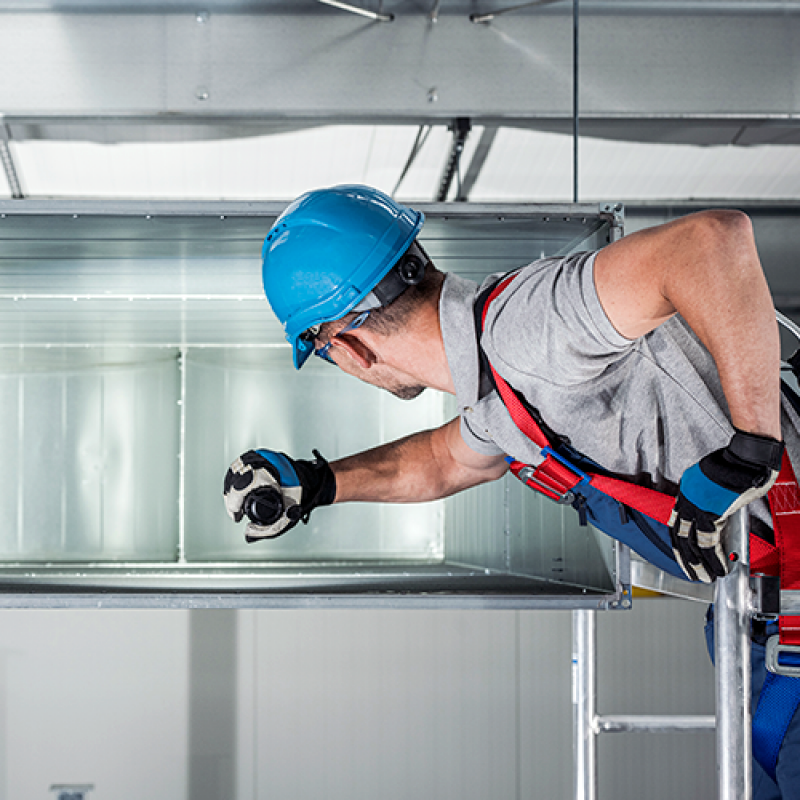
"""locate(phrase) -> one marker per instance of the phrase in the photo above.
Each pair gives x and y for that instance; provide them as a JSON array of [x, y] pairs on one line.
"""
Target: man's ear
[[360, 352]]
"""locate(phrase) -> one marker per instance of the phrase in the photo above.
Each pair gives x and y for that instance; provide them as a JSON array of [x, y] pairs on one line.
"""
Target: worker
[[654, 360]]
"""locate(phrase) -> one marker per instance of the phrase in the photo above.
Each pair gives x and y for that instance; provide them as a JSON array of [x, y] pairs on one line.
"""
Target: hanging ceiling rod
[[360, 11], [422, 137], [478, 18], [7, 159]]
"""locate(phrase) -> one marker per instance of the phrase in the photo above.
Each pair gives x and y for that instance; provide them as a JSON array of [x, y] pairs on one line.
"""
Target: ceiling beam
[[675, 66], [695, 129]]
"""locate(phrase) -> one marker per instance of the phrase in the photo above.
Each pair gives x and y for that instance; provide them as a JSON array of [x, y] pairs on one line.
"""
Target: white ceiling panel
[[639, 171], [273, 167], [264, 167], [522, 166], [533, 166]]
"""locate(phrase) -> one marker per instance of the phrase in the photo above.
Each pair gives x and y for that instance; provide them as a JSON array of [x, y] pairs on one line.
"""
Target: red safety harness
[[784, 558], [555, 477]]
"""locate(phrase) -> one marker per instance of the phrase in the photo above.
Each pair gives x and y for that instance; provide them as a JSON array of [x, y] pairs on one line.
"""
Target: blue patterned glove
[[275, 491], [713, 489]]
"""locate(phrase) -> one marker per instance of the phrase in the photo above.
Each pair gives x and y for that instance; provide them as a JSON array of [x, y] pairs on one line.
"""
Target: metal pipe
[[422, 136], [575, 96], [181, 551], [9, 167], [654, 723], [732, 658], [479, 18], [584, 704], [360, 11], [788, 324]]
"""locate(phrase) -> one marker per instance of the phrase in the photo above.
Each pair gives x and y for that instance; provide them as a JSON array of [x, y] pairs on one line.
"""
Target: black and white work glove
[[276, 492], [710, 492]]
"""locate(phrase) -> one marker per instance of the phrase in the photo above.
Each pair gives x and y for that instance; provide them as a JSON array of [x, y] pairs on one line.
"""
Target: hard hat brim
[[301, 351]]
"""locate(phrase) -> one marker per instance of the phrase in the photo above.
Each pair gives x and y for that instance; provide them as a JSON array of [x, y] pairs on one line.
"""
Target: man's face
[[336, 350], [381, 376]]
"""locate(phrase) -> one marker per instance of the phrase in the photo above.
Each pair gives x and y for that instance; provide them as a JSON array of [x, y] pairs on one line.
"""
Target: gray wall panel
[[458, 704], [545, 706], [385, 704], [654, 661], [212, 704]]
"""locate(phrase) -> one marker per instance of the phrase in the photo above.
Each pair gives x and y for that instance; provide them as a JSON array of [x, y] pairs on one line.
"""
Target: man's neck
[[420, 350]]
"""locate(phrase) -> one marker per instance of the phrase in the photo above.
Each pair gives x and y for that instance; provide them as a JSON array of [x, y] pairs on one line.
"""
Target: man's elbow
[[493, 471], [721, 228], [464, 477]]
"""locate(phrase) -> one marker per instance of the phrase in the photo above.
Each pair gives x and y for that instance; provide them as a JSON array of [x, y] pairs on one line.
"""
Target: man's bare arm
[[705, 267], [424, 466]]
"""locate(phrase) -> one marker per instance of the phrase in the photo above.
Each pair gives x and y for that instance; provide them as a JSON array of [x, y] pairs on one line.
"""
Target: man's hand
[[713, 489], [298, 487]]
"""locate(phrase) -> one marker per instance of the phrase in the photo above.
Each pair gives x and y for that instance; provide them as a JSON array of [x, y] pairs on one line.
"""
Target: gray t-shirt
[[646, 409]]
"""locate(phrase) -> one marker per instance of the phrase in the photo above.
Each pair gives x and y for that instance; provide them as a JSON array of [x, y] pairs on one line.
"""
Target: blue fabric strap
[[779, 699]]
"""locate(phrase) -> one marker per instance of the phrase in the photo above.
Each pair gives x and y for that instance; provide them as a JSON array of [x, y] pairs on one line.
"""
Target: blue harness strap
[[777, 704]]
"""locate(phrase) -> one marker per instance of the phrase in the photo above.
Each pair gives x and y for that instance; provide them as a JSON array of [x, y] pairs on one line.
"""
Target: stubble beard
[[403, 391], [406, 392]]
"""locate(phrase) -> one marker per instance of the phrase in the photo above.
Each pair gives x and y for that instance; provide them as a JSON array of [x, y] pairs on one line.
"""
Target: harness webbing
[[554, 476], [784, 501], [777, 704]]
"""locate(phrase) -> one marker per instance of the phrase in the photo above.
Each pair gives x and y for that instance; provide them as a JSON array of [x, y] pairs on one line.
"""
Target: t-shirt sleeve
[[549, 324], [480, 444]]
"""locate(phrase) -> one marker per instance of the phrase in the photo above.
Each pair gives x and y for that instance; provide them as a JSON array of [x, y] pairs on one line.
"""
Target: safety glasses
[[357, 322]]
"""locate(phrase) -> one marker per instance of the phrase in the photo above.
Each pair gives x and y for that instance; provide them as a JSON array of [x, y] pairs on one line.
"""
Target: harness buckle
[[555, 477], [582, 476], [528, 476], [789, 665]]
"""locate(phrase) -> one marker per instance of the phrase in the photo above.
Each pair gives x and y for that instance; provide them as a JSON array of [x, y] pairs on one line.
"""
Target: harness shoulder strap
[[535, 427], [556, 475]]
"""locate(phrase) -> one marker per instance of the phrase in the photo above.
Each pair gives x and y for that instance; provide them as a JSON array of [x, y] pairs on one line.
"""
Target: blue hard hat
[[326, 253]]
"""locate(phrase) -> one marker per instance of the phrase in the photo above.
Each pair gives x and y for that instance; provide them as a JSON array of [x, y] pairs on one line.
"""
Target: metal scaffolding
[[733, 611]]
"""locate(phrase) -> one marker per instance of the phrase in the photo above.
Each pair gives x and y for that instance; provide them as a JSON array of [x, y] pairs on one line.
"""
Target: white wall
[[93, 698], [307, 704]]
